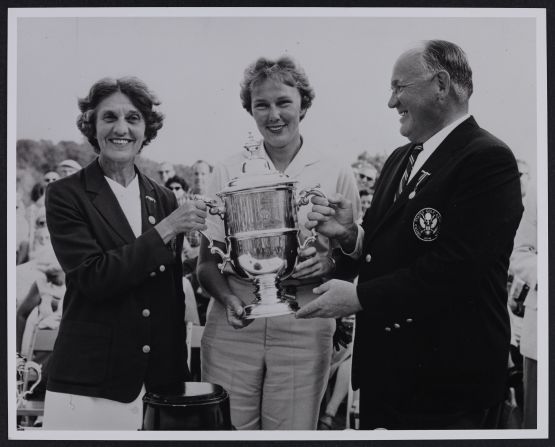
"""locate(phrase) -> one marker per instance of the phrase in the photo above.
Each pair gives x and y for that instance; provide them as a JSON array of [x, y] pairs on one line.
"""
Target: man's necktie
[[416, 149]]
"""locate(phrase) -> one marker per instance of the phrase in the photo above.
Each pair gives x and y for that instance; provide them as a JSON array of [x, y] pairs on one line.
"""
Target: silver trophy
[[262, 232]]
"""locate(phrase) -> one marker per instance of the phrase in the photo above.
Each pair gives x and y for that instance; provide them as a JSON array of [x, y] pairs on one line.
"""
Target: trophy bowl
[[262, 234]]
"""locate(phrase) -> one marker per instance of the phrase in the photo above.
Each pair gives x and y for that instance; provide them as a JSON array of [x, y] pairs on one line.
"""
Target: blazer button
[[409, 320], [146, 313], [368, 257], [152, 274], [152, 219], [162, 268], [396, 326], [146, 349], [387, 329]]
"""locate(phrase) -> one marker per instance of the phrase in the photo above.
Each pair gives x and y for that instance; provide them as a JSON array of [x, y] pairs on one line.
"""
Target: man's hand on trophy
[[236, 312], [313, 264], [333, 217], [337, 299]]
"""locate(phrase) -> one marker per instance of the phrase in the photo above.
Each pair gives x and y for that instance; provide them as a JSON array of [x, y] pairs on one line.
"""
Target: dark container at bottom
[[200, 406]]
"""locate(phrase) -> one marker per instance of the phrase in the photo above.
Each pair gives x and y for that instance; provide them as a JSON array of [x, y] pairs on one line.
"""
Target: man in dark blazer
[[432, 328]]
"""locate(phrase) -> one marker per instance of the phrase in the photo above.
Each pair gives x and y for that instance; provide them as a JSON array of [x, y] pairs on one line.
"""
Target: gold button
[[146, 349], [152, 219], [409, 320], [146, 313], [368, 257], [162, 268], [152, 274], [396, 326], [388, 329]]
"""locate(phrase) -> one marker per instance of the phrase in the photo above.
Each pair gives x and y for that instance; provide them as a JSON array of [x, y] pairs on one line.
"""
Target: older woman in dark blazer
[[118, 237]]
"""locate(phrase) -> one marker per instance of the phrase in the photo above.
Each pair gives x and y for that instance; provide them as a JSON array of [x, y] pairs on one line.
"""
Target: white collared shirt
[[433, 143], [429, 148], [129, 199]]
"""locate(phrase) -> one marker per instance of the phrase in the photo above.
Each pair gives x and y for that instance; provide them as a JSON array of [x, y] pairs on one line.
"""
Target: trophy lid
[[256, 171]]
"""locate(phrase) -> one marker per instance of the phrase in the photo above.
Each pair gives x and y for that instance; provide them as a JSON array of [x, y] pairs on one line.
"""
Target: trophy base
[[277, 309]]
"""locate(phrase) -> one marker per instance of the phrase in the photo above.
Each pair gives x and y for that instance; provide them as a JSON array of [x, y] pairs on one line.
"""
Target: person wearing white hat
[[68, 167]]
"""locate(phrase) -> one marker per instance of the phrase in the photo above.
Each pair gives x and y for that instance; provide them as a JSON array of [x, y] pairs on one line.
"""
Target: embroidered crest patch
[[426, 224]]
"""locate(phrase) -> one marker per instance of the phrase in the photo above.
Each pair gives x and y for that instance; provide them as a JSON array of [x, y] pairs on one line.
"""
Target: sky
[[195, 65]]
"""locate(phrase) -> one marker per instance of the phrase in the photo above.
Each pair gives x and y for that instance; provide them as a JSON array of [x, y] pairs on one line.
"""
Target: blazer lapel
[[441, 156], [382, 203], [105, 201], [149, 205]]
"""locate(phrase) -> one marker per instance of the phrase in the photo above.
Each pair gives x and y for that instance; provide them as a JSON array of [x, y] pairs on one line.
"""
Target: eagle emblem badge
[[426, 224]]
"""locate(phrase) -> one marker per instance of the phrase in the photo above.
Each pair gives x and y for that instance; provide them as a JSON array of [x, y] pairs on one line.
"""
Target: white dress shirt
[[129, 199]]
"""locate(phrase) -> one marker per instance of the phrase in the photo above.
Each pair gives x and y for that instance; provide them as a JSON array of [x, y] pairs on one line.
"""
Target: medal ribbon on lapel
[[416, 149]]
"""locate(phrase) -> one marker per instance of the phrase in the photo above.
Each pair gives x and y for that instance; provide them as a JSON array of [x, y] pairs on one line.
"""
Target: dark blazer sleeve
[[477, 225], [99, 272]]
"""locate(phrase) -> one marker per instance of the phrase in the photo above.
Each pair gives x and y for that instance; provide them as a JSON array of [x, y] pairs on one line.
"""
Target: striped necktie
[[416, 149]]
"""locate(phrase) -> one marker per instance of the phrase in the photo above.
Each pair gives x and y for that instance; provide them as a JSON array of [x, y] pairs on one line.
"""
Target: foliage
[[35, 158]]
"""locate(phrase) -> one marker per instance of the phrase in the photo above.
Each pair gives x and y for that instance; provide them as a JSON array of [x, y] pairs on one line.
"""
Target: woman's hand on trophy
[[236, 312], [333, 217], [313, 264], [189, 216]]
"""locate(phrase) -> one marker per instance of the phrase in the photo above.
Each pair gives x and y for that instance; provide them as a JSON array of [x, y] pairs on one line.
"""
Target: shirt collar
[[432, 143], [306, 156], [131, 188]]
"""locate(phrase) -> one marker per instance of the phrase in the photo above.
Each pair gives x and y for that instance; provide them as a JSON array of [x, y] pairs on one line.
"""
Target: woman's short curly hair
[[139, 95], [285, 70]]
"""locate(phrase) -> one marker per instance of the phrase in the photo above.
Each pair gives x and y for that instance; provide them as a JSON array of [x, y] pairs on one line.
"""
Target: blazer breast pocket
[[81, 353]]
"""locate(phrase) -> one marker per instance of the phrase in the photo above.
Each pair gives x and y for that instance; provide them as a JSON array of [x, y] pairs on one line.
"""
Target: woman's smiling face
[[276, 108], [120, 129]]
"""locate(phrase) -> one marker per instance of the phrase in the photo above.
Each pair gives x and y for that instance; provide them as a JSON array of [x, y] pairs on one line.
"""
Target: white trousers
[[73, 412]]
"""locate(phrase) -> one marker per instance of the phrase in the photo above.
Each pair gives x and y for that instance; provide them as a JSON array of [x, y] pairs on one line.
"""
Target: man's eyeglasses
[[176, 188], [49, 179]]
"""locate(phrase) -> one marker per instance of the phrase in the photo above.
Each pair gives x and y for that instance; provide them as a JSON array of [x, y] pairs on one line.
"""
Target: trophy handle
[[225, 256], [213, 207], [304, 195], [304, 199]]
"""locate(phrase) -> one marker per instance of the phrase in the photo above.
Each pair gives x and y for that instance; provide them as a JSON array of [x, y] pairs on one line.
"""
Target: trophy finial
[[251, 144]]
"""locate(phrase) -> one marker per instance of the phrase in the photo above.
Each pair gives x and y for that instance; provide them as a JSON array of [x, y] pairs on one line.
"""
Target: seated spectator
[[68, 167], [22, 231], [35, 212], [191, 244], [365, 199], [340, 372], [46, 292], [201, 177], [524, 267], [50, 176], [166, 170], [366, 176], [41, 236], [179, 187]]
